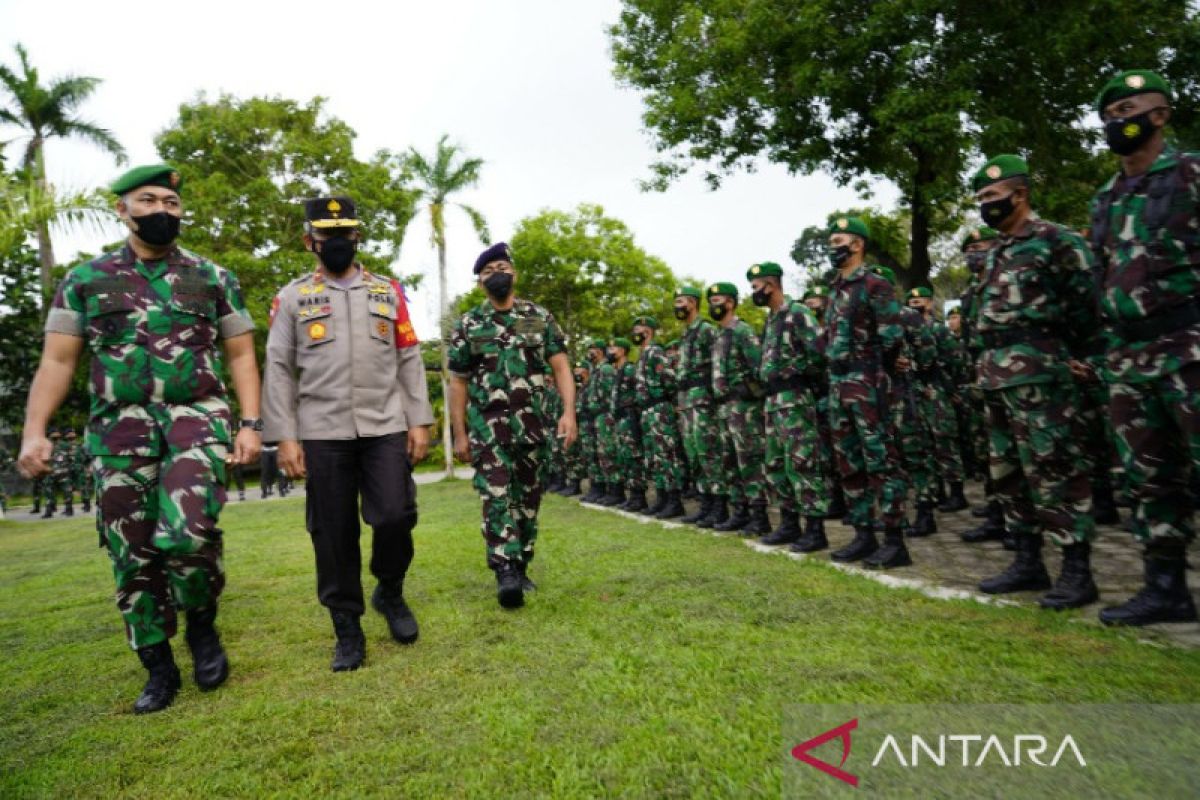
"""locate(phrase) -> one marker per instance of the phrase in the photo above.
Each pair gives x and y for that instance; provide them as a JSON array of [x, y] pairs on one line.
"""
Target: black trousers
[[339, 470]]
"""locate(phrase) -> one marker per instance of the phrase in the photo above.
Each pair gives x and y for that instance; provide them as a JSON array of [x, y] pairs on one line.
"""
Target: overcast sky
[[526, 85]]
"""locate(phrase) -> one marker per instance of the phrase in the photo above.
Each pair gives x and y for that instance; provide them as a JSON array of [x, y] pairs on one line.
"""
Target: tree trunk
[[444, 330], [919, 263], [45, 246]]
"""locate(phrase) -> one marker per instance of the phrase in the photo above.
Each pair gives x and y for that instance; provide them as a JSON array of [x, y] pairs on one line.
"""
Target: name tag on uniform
[[527, 326]]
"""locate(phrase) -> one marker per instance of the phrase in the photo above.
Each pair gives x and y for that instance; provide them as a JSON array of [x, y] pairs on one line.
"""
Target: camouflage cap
[[920, 291], [725, 288], [621, 341], [1129, 83], [1000, 168], [163, 175], [885, 272], [767, 269], [648, 321], [980, 234], [688, 291], [853, 225]]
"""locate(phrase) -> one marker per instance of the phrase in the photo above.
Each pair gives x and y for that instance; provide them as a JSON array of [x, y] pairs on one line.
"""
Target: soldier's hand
[[903, 364], [246, 446], [418, 444], [34, 460], [568, 431], [291, 459], [462, 448], [1082, 371]]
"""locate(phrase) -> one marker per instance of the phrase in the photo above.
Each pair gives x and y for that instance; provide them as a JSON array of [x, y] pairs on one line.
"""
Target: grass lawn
[[651, 663]]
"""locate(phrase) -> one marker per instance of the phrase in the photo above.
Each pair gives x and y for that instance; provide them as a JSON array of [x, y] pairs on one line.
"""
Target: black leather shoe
[[837, 506], [636, 503], [787, 532], [706, 501], [1074, 587], [595, 492], [893, 553], [163, 683], [992, 529], [1026, 573], [735, 521], [210, 667], [615, 496], [925, 524], [863, 545], [956, 501], [813, 538], [660, 502], [760, 522], [388, 600], [1164, 597], [1104, 507], [351, 647], [674, 507], [509, 590], [718, 513], [527, 584]]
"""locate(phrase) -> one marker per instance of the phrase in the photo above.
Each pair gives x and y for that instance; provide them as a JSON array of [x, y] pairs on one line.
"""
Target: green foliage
[[890, 233]]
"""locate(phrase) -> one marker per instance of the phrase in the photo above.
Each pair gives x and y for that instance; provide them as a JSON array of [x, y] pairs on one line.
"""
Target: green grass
[[651, 663]]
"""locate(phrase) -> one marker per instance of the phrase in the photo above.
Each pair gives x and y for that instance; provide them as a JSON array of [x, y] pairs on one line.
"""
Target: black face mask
[[681, 313], [976, 261], [499, 285], [336, 253], [761, 298], [994, 212], [159, 228], [610, 358], [838, 255], [1125, 136], [638, 338], [596, 356], [718, 311]]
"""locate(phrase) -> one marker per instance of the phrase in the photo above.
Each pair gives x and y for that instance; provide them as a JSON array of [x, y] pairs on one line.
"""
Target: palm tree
[[447, 173], [44, 112], [25, 206]]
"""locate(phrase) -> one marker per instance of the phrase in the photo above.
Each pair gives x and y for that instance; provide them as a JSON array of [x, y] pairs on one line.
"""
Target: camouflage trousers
[[509, 481], [702, 443], [664, 459], [1037, 465], [833, 477], [743, 452], [56, 486], [1157, 425], [586, 447], [157, 516], [631, 472], [575, 457], [1099, 442], [796, 461], [606, 450], [865, 449], [942, 422], [914, 440]]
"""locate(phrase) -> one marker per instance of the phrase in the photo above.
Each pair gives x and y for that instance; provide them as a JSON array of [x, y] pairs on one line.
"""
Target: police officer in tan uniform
[[345, 397]]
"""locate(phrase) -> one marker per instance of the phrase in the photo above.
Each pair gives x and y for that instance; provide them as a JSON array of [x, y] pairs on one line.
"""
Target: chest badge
[[316, 331]]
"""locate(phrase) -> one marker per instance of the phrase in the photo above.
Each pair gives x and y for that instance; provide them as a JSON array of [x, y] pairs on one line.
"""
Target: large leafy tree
[[913, 91], [45, 111], [447, 173]]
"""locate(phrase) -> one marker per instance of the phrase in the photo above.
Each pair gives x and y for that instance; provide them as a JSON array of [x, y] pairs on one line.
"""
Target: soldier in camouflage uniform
[[161, 433], [81, 472], [58, 482], [624, 408], [816, 298], [1037, 317], [862, 342], [660, 424], [556, 464], [698, 422], [6, 463], [1144, 235], [737, 357], [602, 469], [499, 351], [576, 459], [789, 371]]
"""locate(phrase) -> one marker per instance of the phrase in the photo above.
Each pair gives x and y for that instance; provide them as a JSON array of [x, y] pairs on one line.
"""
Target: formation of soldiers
[[1072, 353], [70, 473]]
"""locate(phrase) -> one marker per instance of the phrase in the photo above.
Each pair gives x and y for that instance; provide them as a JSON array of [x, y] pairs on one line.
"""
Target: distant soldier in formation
[[601, 469], [81, 472], [656, 395], [697, 413], [625, 410]]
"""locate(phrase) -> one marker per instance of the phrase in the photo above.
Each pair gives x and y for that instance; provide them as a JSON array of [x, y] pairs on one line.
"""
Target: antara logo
[[842, 732]]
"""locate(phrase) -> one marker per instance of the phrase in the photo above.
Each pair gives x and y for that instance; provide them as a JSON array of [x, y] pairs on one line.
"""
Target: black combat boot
[[813, 538], [706, 502], [992, 528], [636, 502], [573, 489], [957, 501], [596, 491], [837, 505], [892, 554], [87, 504], [981, 512], [510, 590], [1164, 597], [1026, 573], [718, 512], [163, 683], [788, 530], [760, 521], [210, 667], [1104, 507], [673, 508], [49, 512], [660, 502], [862, 545], [1075, 587], [527, 584], [615, 496], [388, 600], [37, 505], [735, 521], [351, 646], [925, 524], [69, 508]]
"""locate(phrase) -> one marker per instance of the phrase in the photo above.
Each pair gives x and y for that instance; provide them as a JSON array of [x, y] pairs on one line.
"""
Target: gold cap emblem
[[755, 269], [1135, 81], [843, 223], [994, 171], [173, 179], [334, 206]]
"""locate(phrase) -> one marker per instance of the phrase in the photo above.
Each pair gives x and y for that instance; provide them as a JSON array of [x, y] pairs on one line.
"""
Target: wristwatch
[[253, 424]]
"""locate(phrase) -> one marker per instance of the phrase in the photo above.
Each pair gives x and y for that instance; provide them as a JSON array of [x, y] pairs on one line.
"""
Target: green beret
[[767, 269], [885, 272], [920, 291], [850, 225], [621, 341], [954, 312], [163, 175], [816, 291], [671, 344], [648, 321], [999, 168], [1129, 83], [598, 344], [981, 234], [727, 289], [688, 291]]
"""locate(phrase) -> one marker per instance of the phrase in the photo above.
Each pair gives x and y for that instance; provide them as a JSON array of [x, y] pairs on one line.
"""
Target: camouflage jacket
[[695, 364], [152, 330], [736, 359], [1036, 282], [599, 389], [863, 327], [1148, 263], [61, 459], [789, 354], [503, 356], [655, 376], [623, 402]]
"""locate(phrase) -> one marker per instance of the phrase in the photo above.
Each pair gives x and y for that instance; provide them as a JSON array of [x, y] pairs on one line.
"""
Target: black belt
[[1160, 324], [794, 383], [993, 340]]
